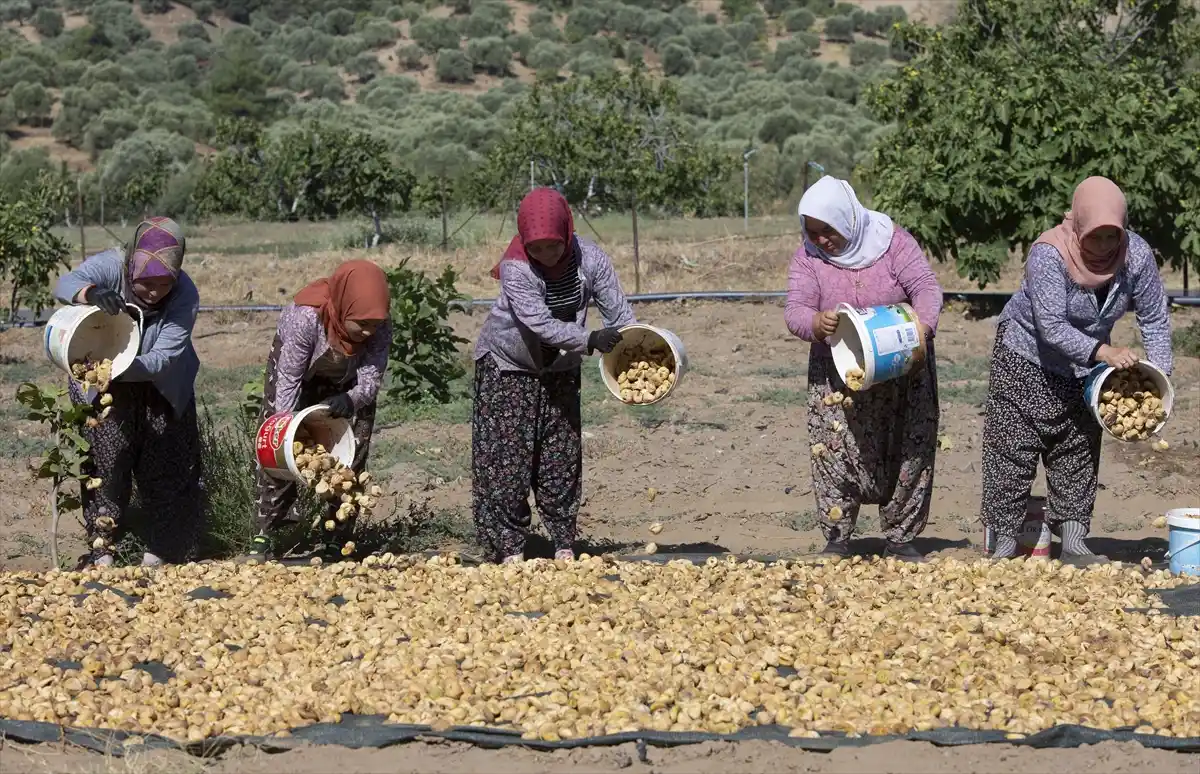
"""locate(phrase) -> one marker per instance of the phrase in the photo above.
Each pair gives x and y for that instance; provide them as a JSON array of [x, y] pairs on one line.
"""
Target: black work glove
[[603, 340], [340, 406], [108, 300]]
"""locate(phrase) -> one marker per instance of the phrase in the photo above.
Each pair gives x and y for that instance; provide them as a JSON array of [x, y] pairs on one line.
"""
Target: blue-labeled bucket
[[879, 341], [1093, 389], [1183, 541]]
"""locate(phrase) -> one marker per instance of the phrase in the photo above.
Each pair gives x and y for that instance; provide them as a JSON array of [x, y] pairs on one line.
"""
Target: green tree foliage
[[48, 22], [839, 29], [411, 57], [364, 67], [423, 362], [1001, 113], [31, 103], [490, 55], [799, 20], [434, 34], [866, 53], [236, 85], [30, 253], [677, 60], [453, 66]]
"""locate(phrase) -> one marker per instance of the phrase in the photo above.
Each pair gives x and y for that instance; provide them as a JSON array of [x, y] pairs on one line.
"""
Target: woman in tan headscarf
[[1080, 278], [331, 346]]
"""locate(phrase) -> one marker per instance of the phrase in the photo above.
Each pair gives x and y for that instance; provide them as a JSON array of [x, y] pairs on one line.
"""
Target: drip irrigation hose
[[1174, 297]]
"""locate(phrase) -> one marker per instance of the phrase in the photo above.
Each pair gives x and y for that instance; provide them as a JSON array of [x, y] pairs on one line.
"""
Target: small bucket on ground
[[650, 338], [77, 332], [1035, 536], [1093, 388], [879, 341], [273, 445], [1183, 541]]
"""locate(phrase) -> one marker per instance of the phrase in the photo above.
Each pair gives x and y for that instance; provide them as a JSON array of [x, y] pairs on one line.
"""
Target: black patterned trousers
[[276, 498], [1034, 414], [525, 434], [143, 442]]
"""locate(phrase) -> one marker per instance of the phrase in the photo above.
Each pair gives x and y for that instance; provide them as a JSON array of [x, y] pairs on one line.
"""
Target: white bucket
[[1183, 541], [646, 336], [273, 445], [879, 341], [1093, 388], [77, 332]]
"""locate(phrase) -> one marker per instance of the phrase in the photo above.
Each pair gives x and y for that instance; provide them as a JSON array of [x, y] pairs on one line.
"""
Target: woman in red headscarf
[[525, 429], [331, 346]]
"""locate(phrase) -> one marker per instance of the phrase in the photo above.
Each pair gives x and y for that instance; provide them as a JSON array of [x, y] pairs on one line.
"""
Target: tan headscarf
[[1098, 202]]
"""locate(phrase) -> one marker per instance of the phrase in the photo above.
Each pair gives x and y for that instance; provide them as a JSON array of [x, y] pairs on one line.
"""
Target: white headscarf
[[868, 233]]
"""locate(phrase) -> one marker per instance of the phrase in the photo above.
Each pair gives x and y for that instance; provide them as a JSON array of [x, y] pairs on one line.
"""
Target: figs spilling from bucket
[[332, 481], [1131, 406], [645, 375], [855, 378], [97, 375]]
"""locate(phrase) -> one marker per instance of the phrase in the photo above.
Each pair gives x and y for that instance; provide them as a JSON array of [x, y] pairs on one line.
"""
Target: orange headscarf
[[357, 290], [1098, 202]]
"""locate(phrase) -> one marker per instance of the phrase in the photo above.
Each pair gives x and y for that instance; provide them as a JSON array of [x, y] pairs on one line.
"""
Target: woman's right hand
[[1119, 358], [107, 300], [824, 324]]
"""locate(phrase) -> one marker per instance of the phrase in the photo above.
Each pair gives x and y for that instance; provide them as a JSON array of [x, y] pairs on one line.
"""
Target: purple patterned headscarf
[[158, 247]]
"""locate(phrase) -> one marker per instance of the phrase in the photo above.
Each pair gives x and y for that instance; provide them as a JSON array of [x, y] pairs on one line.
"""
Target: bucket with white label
[[879, 342]]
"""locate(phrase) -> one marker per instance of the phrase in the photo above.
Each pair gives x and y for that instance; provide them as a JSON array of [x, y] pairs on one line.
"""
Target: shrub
[[154, 6], [203, 10], [547, 57], [839, 29], [48, 22], [364, 66], [411, 57], [424, 360], [803, 45], [821, 8], [799, 20], [867, 53], [677, 60], [583, 22], [1187, 340], [193, 30], [434, 34], [491, 55], [377, 33], [453, 66]]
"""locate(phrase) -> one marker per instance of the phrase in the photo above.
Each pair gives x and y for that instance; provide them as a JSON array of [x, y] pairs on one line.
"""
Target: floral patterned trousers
[[878, 451], [142, 441], [525, 434]]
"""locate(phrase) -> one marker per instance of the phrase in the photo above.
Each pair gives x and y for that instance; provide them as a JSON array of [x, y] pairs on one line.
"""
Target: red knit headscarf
[[543, 214]]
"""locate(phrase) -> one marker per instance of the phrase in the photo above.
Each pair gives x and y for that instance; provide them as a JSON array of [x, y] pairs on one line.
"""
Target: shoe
[[1084, 560], [260, 551], [836, 548], [905, 552], [564, 554], [150, 560], [513, 559]]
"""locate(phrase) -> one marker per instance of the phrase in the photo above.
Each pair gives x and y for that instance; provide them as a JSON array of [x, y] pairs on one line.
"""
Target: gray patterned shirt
[[520, 321], [1058, 325]]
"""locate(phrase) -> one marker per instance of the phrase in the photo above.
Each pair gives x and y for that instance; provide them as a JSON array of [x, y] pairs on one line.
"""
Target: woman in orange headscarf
[[1080, 278], [331, 347]]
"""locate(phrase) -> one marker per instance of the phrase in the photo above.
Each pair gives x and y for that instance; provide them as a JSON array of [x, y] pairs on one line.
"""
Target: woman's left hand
[[918, 355]]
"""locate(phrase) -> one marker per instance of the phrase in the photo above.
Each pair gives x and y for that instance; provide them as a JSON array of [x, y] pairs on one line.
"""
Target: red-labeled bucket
[[273, 445]]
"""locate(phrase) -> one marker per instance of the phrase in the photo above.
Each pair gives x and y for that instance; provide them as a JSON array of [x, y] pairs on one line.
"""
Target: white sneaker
[[150, 560], [104, 561]]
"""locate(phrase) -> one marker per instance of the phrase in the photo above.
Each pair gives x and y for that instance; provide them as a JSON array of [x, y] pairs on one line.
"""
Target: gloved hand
[[340, 406], [108, 300], [603, 340]]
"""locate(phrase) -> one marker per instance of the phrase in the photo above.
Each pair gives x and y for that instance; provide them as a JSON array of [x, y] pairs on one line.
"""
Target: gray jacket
[[520, 322], [1059, 325], [166, 357]]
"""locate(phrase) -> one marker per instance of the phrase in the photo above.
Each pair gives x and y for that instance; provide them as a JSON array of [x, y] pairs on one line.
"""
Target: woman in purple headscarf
[[151, 433]]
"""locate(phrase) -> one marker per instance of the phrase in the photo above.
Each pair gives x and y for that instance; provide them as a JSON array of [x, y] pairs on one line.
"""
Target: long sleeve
[[1046, 284], [102, 269], [914, 274], [1153, 317], [374, 364], [174, 336], [529, 306], [804, 295], [297, 334], [610, 298]]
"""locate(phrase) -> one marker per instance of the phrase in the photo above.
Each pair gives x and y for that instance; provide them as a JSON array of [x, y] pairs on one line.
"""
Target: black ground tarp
[[370, 731]]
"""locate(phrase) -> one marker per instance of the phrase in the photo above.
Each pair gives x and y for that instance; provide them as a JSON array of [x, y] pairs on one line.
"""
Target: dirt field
[[729, 457], [707, 758]]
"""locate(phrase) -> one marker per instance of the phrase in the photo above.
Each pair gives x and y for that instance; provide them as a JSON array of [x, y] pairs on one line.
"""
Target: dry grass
[[268, 262]]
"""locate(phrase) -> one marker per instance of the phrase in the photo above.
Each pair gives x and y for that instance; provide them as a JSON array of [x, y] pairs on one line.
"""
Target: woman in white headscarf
[[877, 446]]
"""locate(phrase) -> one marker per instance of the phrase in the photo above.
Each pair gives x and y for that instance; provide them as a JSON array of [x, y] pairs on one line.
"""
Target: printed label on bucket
[[269, 444], [895, 338]]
